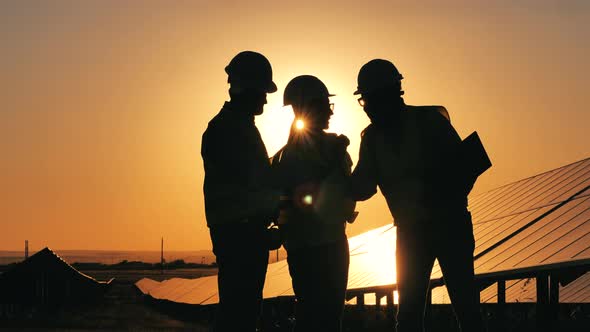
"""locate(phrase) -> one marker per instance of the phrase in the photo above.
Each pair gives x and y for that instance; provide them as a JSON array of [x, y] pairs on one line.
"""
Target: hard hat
[[376, 74], [250, 70], [303, 89]]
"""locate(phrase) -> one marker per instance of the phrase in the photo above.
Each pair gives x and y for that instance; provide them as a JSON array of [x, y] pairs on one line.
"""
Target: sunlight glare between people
[[299, 124]]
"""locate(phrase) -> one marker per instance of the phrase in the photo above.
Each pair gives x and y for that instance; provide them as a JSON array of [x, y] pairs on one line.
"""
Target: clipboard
[[473, 156]]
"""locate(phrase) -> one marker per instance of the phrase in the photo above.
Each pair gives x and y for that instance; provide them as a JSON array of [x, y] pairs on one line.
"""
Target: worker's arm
[[363, 181]]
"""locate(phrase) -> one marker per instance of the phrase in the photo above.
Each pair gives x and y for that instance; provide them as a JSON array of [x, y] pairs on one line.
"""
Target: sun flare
[[299, 124]]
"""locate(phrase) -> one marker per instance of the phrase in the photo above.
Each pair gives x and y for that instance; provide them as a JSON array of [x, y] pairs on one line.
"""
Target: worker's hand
[[285, 202]]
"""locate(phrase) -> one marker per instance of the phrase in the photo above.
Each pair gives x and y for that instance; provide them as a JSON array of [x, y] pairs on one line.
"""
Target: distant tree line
[[137, 265], [130, 265]]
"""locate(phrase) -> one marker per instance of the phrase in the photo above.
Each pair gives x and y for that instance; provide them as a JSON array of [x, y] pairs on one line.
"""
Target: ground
[[124, 308]]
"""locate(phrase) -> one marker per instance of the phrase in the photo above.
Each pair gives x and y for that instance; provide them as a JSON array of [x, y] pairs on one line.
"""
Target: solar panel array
[[539, 220], [371, 263]]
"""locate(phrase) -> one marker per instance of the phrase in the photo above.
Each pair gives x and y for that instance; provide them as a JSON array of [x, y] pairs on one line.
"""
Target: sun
[[299, 124]]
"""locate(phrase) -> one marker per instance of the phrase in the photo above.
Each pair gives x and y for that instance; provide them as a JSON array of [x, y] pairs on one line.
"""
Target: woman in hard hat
[[312, 169]]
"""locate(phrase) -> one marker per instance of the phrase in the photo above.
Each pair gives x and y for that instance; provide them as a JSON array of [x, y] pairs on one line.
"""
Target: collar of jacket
[[391, 120], [237, 114]]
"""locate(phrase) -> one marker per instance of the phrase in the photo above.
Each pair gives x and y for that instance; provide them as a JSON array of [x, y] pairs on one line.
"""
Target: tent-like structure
[[532, 245], [45, 280]]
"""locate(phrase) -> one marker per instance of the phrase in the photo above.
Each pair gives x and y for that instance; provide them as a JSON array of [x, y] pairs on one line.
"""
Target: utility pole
[[162, 256], [26, 249]]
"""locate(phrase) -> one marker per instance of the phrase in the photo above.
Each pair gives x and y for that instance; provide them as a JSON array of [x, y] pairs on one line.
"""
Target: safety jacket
[[237, 185], [313, 171], [412, 163]]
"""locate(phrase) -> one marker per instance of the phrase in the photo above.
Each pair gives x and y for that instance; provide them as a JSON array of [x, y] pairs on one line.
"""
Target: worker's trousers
[[242, 258], [319, 275], [450, 240]]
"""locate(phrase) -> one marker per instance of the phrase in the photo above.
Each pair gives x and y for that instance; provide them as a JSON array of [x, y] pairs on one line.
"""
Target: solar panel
[[576, 292], [371, 260], [146, 284], [281, 280]]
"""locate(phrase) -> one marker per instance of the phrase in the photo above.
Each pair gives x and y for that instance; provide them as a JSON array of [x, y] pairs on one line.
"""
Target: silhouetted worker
[[408, 151], [239, 201], [312, 169]]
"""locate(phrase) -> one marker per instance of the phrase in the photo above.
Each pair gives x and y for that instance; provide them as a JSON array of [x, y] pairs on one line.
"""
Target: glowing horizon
[[104, 103]]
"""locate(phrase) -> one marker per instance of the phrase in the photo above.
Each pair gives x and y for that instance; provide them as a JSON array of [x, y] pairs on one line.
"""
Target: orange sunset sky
[[103, 103]]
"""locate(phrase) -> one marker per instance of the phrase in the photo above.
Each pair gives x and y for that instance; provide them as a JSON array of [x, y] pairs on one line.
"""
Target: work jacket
[[313, 170], [237, 186], [412, 162]]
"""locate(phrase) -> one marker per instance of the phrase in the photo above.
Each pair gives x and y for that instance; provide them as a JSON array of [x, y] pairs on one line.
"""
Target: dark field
[[123, 308]]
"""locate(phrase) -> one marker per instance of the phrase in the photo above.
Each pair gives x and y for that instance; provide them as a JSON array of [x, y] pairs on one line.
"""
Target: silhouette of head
[[379, 84], [250, 77], [310, 100]]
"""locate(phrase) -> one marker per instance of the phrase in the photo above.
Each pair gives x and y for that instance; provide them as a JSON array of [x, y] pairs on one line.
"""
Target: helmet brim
[[272, 87]]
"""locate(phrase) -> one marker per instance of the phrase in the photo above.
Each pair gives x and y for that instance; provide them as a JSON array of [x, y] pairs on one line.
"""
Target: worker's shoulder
[[223, 122], [337, 140], [277, 157], [433, 112], [368, 131]]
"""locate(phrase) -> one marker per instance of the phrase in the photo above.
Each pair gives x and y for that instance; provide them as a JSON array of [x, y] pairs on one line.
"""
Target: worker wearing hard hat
[[312, 170], [239, 201], [407, 151]]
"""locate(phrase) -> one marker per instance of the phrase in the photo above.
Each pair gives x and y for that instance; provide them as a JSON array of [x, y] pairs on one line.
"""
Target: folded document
[[473, 155]]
